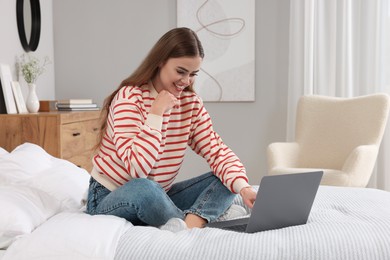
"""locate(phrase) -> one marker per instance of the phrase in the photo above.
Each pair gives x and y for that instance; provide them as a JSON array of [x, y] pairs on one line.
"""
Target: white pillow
[[3, 151], [11, 172], [33, 187], [29, 157], [22, 210], [64, 181], [31, 166]]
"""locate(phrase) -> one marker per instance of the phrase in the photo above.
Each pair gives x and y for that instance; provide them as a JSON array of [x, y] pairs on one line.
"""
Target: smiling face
[[176, 74]]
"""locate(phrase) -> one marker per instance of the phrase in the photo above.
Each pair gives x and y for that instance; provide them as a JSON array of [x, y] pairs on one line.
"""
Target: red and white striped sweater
[[142, 145]]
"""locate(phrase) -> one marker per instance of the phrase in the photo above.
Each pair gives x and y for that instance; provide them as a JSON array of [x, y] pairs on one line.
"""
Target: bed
[[42, 217]]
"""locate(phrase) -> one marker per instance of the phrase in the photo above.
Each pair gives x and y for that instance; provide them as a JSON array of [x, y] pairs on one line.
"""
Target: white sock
[[174, 225], [234, 211]]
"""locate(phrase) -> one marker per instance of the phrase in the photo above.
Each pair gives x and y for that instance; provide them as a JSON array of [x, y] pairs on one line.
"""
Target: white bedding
[[345, 223], [70, 235]]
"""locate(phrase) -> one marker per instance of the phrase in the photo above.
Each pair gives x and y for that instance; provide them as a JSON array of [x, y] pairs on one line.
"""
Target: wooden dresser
[[67, 135]]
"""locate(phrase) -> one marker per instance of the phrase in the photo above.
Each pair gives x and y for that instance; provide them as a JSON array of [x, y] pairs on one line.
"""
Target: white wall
[[98, 43], [10, 47]]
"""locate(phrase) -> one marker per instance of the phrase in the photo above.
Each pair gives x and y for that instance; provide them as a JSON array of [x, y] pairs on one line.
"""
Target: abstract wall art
[[226, 29]]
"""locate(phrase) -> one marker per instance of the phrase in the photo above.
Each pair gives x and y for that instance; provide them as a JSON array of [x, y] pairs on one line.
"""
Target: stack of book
[[76, 105]]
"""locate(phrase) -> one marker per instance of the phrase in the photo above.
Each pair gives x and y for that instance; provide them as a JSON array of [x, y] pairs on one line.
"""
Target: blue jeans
[[144, 202]]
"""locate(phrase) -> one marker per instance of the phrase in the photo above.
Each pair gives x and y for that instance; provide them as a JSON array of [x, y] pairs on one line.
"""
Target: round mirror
[[28, 15]]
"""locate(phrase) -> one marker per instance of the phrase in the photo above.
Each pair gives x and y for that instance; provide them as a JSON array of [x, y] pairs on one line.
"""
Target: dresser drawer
[[66, 135], [78, 138]]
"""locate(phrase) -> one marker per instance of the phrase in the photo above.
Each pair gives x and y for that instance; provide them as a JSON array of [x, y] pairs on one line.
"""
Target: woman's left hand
[[248, 195]]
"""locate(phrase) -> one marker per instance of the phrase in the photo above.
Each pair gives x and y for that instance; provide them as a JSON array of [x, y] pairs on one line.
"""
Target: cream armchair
[[340, 136]]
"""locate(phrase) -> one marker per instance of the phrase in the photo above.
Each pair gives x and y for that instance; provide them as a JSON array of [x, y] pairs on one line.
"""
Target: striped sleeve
[[223, 162], [137, 139]]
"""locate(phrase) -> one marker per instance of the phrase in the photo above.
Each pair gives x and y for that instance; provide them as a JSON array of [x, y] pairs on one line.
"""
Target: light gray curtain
[[340, 48]]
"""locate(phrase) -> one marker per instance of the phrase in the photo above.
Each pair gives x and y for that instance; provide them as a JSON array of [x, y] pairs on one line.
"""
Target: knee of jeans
[[145, 192], [141, 185], [211, 174]]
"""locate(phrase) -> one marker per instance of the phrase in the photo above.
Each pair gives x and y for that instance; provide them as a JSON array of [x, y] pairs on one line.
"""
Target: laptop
[[282, 201]]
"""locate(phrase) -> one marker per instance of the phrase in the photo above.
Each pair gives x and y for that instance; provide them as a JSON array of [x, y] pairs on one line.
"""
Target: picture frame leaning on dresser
[[7, 99]]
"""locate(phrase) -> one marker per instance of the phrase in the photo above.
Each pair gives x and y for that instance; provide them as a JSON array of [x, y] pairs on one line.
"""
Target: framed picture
[[226, 29], [3, 110], [6, 79], [20, 103]]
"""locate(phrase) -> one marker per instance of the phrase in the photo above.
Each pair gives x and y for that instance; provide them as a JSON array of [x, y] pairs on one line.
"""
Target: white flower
[[31, 67]]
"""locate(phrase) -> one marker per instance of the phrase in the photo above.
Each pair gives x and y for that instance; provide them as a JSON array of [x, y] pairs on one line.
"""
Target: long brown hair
[[178, 42]]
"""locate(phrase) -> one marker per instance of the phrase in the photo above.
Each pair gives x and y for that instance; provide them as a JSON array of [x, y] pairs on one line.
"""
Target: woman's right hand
[[163, 102], [248, 195]]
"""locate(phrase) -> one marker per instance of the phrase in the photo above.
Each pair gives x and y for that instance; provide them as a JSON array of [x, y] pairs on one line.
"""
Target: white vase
[[32, 101]]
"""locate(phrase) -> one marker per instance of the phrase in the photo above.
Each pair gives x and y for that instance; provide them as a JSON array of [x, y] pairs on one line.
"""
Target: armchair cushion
[[340, 136]]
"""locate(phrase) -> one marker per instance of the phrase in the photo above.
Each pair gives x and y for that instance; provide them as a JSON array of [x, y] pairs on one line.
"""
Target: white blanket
[[345, 223], [70, 236], [38, 220]]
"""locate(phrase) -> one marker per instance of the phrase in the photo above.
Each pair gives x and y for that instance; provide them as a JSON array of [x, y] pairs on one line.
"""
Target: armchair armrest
[[360, 164], [282, 155]]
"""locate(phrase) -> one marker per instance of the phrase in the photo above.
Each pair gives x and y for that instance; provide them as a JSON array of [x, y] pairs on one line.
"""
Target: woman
[[148, 123]]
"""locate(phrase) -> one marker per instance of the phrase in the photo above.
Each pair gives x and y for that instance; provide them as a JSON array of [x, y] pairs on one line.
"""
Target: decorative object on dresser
[[19, 99], [67, 135], [76, 101], [31, 69], [32, 101], [47, 105], [6, 79], [76, 105], [3, 109]]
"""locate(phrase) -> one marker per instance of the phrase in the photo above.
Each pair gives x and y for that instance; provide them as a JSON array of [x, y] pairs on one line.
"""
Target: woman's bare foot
[[193, 220]]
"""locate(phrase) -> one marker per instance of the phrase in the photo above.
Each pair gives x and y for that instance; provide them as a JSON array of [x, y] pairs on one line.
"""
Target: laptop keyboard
[[238, 228]]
